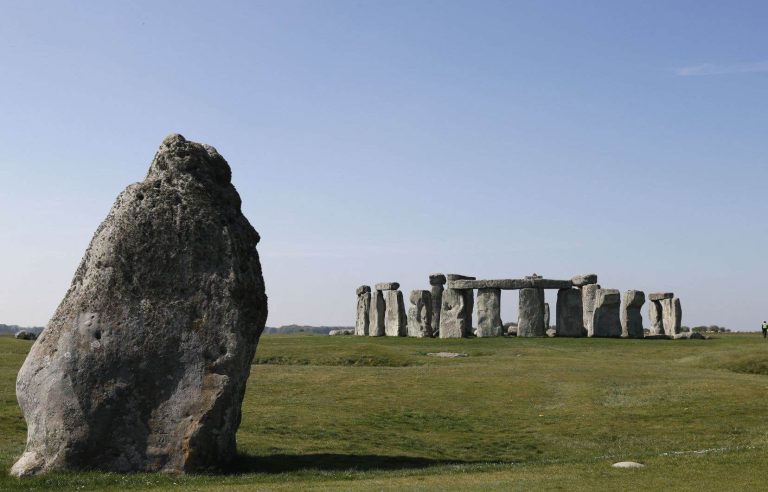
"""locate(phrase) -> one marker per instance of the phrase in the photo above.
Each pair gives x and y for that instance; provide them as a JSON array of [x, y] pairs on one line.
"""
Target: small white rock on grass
[[628, 464]]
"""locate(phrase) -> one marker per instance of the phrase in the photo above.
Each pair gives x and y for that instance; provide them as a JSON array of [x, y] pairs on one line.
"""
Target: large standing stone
[[655, 318], [143, 365], [395, 319], [570, 319], [489, 313], [546, 315], [632, 319], [672, 315], [420, 314], [530, 321], [436, 282], [363, 310], [453, 315], [588, 299], [607, 316], [378, 311], [469, 302]]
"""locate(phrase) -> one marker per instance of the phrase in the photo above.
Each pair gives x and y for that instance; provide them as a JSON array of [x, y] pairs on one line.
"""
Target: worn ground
[[347, 413]]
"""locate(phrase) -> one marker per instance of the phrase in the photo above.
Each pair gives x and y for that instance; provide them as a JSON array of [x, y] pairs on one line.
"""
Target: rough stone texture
[[420, 314], [395, 319], [489, 313], [437, 279], [453, 318], [456, 276], [631, 317], [607, 316], [362, 323], [144, 363], [530, 321], [655, 318], [658, 296], [25, 335], [376, 318], [671, 315], [551, 332], [546, 315], [363, 289], [387, 286], [469, 307], [509, 283], [437, 301], [588, 298], [569, 320], [582, 280]]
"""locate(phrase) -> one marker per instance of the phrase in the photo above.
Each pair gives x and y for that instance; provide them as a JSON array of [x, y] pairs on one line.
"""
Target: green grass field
[[349, 413]]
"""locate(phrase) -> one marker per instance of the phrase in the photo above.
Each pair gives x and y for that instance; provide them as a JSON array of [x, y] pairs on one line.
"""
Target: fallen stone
[[551, 332], [569, 320], [363, 289], [697, 336], [447, 355], [628, 464], [387, 286], [420, 314], [658, 337], [377, 314], [607, 316], [658, 296], [530, 321], [588, 298], [395, 319], [143, 366], [25, 335], [632, 318], [453, 322], [489, 313], [334, 333], [362, 323], [437, 279], [582, 280]]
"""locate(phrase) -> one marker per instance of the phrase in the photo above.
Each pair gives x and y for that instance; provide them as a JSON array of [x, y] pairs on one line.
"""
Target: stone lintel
[[509, 284]]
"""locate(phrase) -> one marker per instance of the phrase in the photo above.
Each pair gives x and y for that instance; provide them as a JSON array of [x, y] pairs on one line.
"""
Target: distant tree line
[[705, 329]]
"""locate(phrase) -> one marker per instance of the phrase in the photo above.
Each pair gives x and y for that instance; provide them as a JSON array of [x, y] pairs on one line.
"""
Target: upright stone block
[[436, 282], [420, 314], [570, 317], [672, 315], [469, 308], [376, 324], [489, 313], [588, 298], [531, 313], [632, 319], [362, 322], [655, 318], [546, 315], [607, 316], [395, 319], [453, 321]]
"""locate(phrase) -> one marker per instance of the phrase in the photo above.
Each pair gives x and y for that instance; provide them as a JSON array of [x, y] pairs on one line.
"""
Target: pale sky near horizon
[[385, 140]]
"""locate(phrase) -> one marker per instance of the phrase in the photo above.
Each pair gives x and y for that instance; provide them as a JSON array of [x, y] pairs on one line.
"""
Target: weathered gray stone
[[377, 314], [672, 315], [588, 299], [362, 322], [143, 366], [655, 319], [437, 279], [546, 315], [582, 280], [25, 335], [453, 322], [363, 289], [455, 276], [658, 296], [489, 313], [387, 286], [469, 307], [395, 319], [509, 284], [437, 301], [551, 332], [632, 319], [607, 316], [420, 314], [569, 320], [530, 321]]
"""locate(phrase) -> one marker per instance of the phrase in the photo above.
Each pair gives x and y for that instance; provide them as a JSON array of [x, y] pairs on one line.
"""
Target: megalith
[[143, 366], [489, 313], [469, 302], [656, 312], [363, 310], [546, 316], [588, 299], [585, 279], [378, 310], [420, 314], [436, 283], [569, 321], [453, 315], [672, 315], [632, 319], [395, 319], [607, 315], [530, 321]]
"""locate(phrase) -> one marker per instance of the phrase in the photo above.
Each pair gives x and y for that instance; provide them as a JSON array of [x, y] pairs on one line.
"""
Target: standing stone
[[546, 315], [531, 313], [143, 366], [378, 310], [436, 282], [453, 315], [395, 319], [469, 302], [489, 313], [607, 316], [420, 314], [672, 315], [363, 310], [588, 298], [655, 318], [632, 319], [570, 319]]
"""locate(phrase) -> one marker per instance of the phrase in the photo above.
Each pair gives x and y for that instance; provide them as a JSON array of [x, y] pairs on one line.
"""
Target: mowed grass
[[353, 413]]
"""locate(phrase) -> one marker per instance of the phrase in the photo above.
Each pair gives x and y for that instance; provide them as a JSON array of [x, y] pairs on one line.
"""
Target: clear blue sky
[[382, 141]]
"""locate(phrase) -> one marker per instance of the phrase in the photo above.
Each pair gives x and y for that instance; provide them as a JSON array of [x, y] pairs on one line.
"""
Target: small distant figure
[[765, 329]]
